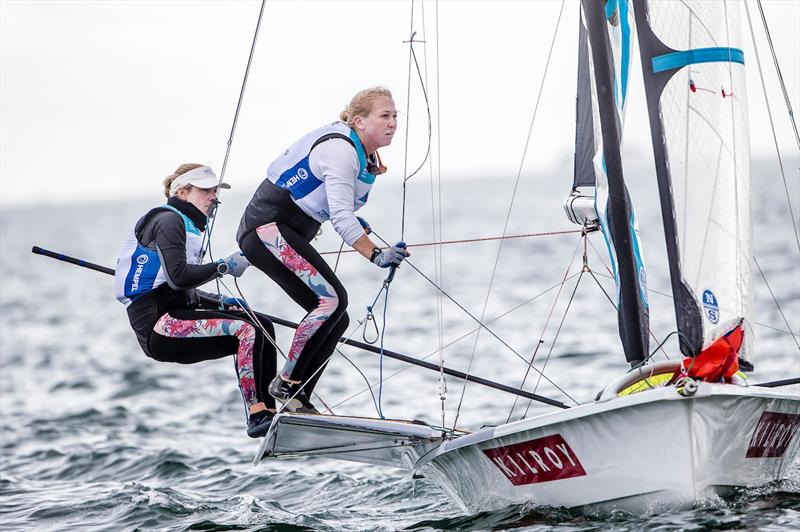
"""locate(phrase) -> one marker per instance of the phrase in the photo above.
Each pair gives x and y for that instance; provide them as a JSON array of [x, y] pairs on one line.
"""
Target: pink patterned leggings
[[190, 336]]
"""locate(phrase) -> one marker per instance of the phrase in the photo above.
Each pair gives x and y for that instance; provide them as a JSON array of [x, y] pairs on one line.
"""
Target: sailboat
[[667, 433], [664, 434]]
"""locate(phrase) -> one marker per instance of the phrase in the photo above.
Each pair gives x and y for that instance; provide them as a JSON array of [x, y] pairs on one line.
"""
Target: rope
[[778, 71], [470, 240], [511, 205], [772, 125], [212, 215]]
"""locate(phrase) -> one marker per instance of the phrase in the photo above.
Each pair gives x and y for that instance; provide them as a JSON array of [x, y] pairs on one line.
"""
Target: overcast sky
[[104, 98]]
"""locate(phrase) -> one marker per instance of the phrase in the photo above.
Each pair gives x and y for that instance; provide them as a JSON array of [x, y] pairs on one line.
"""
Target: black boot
[[258, 424]]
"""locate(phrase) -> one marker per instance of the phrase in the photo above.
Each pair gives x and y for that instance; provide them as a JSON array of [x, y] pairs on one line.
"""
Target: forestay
[[693, 66]]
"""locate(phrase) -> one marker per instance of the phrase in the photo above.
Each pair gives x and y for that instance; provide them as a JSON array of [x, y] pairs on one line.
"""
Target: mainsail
[[693, 68], [604, 65]]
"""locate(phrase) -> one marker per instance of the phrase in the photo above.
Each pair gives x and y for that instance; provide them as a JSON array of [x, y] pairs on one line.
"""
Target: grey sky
[[105, 98]]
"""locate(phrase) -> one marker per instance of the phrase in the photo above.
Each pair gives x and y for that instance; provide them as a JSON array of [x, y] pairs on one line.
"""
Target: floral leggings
[[190, 336], [290, 260]]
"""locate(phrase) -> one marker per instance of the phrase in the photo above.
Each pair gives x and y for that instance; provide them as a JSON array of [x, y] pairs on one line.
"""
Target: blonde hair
[[182, 169], [361, 104]]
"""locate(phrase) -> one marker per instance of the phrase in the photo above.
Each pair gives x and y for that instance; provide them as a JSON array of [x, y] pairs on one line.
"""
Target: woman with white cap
[[157, 272]]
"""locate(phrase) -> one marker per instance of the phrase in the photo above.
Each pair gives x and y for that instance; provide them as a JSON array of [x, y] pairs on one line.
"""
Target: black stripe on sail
[[688, 316], [584, 126], [633, 314]]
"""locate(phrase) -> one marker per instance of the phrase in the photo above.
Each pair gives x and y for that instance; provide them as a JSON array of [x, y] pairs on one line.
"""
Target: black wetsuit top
[[163, 230]]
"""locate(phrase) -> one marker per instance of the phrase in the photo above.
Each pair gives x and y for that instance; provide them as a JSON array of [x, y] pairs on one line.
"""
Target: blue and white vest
[[139, 269], [292, 171]]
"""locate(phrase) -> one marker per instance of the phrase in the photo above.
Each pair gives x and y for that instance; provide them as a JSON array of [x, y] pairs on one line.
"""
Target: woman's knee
[[341, 297]]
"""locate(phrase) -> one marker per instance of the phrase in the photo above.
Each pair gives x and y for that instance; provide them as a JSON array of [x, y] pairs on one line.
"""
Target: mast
[[698, 126], [612, 202]]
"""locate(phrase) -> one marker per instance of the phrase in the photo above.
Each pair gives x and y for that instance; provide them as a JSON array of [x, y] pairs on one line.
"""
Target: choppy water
[[95, 436]]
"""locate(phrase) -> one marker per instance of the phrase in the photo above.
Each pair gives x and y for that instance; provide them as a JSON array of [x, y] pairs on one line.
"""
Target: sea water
[[96, 436]]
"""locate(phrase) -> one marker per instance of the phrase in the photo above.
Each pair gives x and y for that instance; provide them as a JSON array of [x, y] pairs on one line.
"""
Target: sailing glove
[[364, 224], [390, 257], [236, 264]]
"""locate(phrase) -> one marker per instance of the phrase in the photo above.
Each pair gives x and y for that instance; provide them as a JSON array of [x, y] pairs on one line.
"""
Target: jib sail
[[693, 68]]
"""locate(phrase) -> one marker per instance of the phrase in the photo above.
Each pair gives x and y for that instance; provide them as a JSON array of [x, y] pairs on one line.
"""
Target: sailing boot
[[283, 391], [308, 407], [258, 424]]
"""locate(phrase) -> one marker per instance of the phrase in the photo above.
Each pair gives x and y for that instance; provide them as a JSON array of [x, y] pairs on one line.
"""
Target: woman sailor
[[157, 271], [326, 175]]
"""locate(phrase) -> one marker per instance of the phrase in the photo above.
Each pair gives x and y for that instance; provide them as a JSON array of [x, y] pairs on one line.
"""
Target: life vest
[[292, 171], [139, 269]]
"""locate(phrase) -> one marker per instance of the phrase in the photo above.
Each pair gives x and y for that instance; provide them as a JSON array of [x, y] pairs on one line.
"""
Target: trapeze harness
[[277, 227], [157, 270]]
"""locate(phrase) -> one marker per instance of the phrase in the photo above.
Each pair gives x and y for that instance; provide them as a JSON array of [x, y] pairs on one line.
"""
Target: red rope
[[425, 244]]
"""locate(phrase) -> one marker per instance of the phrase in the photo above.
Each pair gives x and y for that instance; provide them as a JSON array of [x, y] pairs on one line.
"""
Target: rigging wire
[[772, 123], [442, 381], [776, 303], [736, 192], [555, 338], [436, 193], [778, 71], [252, 316], [471, 240], [511, 205], [463, 336], [207, 244], [669, 296], [412, 57], [546, 323], [479, 322]]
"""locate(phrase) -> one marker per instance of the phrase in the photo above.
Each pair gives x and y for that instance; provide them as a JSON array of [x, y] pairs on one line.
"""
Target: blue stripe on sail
[[611, 6], [699, 55], [640, 271], [626, 45]]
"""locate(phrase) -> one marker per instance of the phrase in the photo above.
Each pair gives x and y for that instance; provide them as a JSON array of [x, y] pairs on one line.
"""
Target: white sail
[[703, 110]]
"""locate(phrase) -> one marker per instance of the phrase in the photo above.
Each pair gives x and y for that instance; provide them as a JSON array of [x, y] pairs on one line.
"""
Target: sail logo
[[772, 435], [711, 306], [540, 460]]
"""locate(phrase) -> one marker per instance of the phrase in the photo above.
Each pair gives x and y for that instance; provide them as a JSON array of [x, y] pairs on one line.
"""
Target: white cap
[[202, 177]]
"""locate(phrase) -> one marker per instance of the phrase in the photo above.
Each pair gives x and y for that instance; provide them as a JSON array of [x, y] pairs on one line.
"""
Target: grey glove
[[390, 257], [237, 263]]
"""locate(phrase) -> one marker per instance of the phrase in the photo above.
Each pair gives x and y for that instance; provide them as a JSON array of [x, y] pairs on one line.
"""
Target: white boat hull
[[643, 452], [639, 453]]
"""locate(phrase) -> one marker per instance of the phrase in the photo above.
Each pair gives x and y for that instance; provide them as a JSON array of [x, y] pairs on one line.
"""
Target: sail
[[693, 68], [584, 121], [609, 27]]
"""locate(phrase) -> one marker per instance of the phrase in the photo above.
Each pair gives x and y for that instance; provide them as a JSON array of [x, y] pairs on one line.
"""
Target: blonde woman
[[157, 271], [325, 176]]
